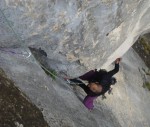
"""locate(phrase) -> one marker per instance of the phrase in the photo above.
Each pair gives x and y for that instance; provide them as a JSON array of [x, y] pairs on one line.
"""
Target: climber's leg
[[81, 84], [87, 76]]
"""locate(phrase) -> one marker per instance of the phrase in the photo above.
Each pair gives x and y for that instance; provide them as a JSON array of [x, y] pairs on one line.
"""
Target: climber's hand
[[117, 61], [66, 78]]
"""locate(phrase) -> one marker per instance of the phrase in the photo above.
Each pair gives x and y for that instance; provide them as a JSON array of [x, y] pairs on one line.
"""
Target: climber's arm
[[116, 69]]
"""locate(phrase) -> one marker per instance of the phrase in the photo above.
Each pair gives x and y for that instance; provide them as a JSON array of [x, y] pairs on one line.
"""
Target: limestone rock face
[[62, 104], [77, 35], [91, 32], [57, 100]]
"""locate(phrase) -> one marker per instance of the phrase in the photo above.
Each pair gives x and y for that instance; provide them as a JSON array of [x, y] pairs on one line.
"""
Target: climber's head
[[95, 87]]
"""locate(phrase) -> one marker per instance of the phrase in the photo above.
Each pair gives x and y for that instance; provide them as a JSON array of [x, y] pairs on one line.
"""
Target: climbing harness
[[25, 54]]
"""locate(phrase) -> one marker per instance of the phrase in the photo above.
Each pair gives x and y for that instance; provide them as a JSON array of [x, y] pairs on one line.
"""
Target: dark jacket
[[104, 80]]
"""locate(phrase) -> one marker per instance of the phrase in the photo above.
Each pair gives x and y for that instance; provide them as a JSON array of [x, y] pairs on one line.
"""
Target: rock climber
[[99, 82]]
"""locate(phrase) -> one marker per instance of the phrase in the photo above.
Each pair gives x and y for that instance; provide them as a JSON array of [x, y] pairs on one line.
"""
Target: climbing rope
[[27, 54], [56, 75], [16, 35], [8, 23], [12, 51]]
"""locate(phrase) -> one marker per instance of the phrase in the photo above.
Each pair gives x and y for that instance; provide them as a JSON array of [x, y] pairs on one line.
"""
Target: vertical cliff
[[92, 33], [77, 36]]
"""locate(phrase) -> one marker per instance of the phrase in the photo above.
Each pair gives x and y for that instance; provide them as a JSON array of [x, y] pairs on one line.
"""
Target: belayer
[[99, 82]]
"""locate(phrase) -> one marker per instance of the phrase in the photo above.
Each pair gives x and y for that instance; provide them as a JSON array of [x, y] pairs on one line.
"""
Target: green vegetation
[[147, 85], [145, 45], [38, 54], [146, 72], [51, 72]]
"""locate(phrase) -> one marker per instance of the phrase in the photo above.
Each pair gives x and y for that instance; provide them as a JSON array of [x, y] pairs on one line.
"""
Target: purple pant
[[88, 100], [88, 76]]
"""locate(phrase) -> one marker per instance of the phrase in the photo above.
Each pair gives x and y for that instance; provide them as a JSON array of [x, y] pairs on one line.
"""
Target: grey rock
[[77, 36], [62, 27]]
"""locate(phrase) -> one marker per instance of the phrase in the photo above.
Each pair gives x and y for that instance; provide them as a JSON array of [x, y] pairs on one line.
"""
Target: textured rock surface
[[61, 105], [77, 35], [76, 30], [57, 100], [16, 109], [142, 47]]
